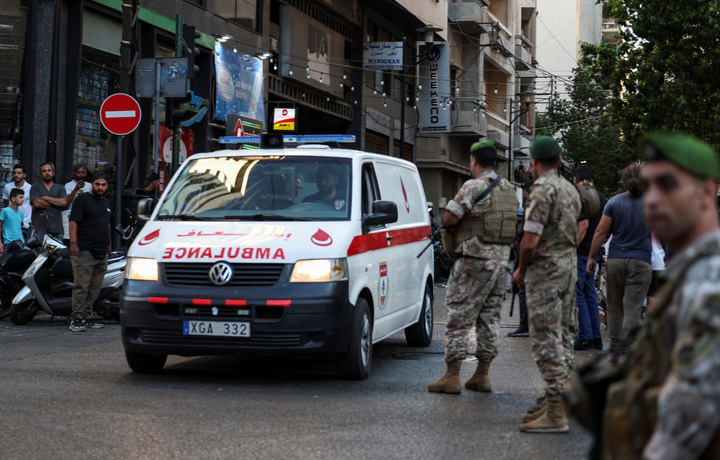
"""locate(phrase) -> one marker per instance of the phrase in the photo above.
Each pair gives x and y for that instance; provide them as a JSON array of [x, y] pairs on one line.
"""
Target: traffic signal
[[173, 113], [190, 51]]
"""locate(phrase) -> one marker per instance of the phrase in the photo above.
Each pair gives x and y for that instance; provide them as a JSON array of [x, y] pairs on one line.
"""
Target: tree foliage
[[586, 132], [664, 75]]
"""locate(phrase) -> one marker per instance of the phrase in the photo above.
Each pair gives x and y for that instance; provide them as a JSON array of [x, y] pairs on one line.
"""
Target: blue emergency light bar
[[310, 139]]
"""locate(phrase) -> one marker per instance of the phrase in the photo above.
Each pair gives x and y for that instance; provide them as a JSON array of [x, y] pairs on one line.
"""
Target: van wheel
[[145, 363], [24, 312], [420, 334], [355, 363]]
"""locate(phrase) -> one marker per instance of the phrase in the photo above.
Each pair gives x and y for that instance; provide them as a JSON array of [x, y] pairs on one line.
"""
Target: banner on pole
[[434, 97]]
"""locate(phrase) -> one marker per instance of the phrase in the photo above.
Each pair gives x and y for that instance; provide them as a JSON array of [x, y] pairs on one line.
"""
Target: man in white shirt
[[19, 174], [74, 188]]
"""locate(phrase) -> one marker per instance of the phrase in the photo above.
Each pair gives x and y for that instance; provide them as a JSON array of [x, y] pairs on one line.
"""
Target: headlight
[[319, 270], [141, 269]]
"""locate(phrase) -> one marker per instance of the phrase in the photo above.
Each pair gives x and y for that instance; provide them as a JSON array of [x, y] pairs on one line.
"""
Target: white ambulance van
[[307, 250]]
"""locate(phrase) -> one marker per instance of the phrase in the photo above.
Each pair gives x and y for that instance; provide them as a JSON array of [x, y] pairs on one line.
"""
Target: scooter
[[13, 263], [49, 283]]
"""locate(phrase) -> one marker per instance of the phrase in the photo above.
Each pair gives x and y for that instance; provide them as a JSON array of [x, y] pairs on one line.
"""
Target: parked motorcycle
[[49, 283], [13, 263], [443, 262]]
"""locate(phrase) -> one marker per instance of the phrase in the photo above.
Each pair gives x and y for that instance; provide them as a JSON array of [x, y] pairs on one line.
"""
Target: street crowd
[[77, 212], [655, 391]]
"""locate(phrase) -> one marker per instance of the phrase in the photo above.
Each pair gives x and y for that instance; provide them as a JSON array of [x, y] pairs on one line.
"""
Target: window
[[282, 188], [370, 191], [243, 12]]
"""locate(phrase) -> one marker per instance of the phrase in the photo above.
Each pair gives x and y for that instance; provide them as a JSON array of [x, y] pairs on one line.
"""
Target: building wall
[[431, 12]]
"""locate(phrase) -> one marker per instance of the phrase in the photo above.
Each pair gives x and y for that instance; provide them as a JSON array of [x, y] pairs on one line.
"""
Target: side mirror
[[145, 208], [383, 212]]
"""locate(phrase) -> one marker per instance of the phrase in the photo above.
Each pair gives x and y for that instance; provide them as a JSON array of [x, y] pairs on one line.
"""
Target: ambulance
[[280, 251]]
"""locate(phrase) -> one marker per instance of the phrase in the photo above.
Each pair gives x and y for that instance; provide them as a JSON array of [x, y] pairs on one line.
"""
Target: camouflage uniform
[[475, 287], [550, 278], [689, 401]]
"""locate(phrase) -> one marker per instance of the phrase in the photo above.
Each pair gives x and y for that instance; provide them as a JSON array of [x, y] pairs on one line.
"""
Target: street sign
[[173, 77], [120, 114]]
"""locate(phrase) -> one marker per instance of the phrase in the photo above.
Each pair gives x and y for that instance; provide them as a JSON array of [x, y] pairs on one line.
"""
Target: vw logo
[[220, 273]]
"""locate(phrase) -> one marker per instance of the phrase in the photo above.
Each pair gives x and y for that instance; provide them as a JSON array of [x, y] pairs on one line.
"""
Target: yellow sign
[[284, 119]]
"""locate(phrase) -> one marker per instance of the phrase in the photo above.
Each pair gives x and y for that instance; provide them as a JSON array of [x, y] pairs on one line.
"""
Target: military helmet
[[590, 200]]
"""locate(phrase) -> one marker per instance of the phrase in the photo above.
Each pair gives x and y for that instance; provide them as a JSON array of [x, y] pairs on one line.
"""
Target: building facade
[[62, 58]]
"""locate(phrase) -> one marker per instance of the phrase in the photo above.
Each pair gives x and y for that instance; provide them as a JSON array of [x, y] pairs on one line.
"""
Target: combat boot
[[530, 416], [480, 381], [553, 420], [450, 382], [539, 404]]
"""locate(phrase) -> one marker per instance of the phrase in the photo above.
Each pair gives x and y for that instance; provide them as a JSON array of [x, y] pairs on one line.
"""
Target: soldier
[[483, 216], [547, 272], [667, 404]]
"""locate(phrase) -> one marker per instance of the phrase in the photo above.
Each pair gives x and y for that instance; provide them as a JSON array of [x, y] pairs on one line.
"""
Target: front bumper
[[302, 318]]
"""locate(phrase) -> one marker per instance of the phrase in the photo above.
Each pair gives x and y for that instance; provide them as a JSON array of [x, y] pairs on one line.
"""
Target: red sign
[[120, 114]]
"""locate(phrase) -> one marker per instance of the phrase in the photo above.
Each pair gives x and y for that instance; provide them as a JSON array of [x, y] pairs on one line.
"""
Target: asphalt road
[[67, 395]]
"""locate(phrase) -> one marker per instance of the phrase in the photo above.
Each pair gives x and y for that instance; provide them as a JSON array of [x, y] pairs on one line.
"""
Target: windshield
[[260, 188]]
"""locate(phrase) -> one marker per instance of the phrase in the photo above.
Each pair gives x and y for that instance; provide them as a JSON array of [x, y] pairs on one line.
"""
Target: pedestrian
[[658, 266], [19, 175], [73, 189], [11, 219], [589, 336], [547, 271], [523, 328], [483, 217], [628, 266], [48, 200], [667, 404], [89, 248]]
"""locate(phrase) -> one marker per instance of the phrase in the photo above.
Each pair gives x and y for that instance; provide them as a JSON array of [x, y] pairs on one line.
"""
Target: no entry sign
[[120, 114]]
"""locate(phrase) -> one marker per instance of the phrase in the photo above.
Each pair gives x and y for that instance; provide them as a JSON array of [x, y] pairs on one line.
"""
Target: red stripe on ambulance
[[373, 241]]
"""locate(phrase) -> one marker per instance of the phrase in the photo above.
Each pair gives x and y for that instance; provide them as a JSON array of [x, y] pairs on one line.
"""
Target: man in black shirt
[[89, 248], [586, 300]]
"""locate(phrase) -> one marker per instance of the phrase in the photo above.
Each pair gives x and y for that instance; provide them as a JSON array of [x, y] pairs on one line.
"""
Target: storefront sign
[[434, 97], [383, 56], [239, 80], [283, 119], [187, 144]]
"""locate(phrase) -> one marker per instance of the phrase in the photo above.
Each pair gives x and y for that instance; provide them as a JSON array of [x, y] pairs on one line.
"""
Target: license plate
[[216, 328]]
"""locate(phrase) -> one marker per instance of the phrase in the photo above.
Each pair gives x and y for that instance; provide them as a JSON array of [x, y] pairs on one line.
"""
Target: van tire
[[355, 363], [420, 334], [145, 363]]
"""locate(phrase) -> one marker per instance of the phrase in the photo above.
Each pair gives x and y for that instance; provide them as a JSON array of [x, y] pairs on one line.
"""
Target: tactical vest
[[631, 411], [497, 224]]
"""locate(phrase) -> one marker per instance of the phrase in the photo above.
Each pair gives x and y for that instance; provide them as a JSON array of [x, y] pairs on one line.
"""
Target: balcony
[[521, 144], [469, 122], [468, 17], [610, 31], [523, 60]]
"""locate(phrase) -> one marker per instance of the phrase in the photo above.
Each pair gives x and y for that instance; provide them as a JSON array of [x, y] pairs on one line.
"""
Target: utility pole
[[128, 57]]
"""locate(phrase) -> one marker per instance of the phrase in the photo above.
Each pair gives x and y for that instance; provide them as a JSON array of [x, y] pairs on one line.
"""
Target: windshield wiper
[[181, 217], [268, 216]]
